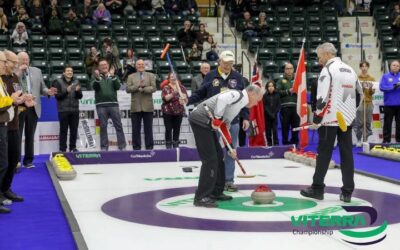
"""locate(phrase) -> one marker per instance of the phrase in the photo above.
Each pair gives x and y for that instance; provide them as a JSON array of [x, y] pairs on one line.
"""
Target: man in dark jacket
[[186, 36], [289, 117], [272, 105], [68, 94]]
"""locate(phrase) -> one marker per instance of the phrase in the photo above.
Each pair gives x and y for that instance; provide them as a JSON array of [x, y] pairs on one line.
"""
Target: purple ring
[[141, 208]]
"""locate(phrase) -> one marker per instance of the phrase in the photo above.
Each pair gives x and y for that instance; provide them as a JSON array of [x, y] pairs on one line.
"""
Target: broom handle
[[225, 140], [308, 126]]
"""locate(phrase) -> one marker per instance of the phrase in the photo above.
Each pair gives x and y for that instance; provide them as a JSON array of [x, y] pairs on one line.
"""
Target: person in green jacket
[[288, 114], [105, 85]]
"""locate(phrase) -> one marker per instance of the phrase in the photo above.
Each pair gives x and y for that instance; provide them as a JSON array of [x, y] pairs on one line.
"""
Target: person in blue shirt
[[216, 81], [390, 86]]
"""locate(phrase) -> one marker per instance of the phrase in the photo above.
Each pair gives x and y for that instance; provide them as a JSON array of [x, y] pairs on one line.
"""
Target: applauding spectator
[[101, 15], [19, 36], [172, 110]]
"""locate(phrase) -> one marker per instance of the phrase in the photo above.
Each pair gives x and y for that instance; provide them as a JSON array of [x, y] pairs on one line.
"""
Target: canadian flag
[[300, 87], [257, 115]]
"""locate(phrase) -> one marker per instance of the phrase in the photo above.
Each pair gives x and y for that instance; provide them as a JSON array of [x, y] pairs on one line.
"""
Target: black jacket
[[272, 104], [67, 102]]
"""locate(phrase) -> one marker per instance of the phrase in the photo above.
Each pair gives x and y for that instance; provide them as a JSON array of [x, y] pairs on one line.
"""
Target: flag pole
[[298, 62]]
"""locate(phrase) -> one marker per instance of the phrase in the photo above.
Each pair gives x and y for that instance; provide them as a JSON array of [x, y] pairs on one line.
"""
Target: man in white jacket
[[338, 86], [225, 107]]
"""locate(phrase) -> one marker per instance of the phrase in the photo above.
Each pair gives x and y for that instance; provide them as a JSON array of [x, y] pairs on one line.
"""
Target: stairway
[[351, 49]]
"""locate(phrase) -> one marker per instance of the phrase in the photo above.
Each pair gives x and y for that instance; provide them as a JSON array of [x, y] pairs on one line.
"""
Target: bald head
[[23, 58], [3, 60], [12, 61]]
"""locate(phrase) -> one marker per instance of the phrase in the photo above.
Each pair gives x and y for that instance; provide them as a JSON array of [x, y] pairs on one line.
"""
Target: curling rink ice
[[150, 206]]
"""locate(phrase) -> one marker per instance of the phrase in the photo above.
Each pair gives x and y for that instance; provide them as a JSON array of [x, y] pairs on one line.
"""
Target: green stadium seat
[[297, 11], [328, 11], [297, 31], [147, 20], [135, 30], [213, 65], [56, 54], [195, 67], [314, 31], [88, 30], [313, 66], [139, 42], [166, 30], [163, 20], [385, 30], [295, 53], [390, 53], [163, 67], [156, 53], [177, 21], [72, 42], [312, 10], [331, 31], [172, 40], [388, 41], [186, 80], [46, 80], [254, 44], [89, 41], [314, 21], [298, 21], [298, 42], [176, 54], [311, 78], [315, 41], [143, 53], [330, 21], [271, 20], [334, 40], [103, 30], [283, 11], [281, 65], [282, 54], [117, 19], [42, 65], [151, 30], [270, 43], [265, 55], [285, 42], [311, 54], [277, 31], [284, 21], [123, 42], [181, 67], [36, 29], [35, 41], [83, 80], [269, 67], [77, 66], [276, 76], [155, 42], [119, 30], [383, 20], [74, 54], [131, 20], [38, 54], [57, 66], [55, 42]]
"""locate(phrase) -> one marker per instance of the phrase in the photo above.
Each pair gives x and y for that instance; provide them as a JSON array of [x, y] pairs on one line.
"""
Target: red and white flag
[[257, 115], [300, 87]]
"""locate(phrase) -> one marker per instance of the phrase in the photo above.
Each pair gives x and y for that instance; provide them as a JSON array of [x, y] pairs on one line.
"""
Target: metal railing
[[232, 31], [244, 55], [360, 39]]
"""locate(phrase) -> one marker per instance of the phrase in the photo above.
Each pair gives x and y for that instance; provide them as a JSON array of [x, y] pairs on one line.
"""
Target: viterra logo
[[354, 221]]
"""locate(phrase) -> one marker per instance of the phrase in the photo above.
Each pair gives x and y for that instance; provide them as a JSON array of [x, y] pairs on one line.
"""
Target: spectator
[[37, 12], [49, 11], [14, 10], [92, 60], [390, 85], [217, 81], [143, 7], [19, 36], [130, 8], [12, 85], [247, 26], [198, 80], [158, 7], [105, 85], [71, 25], [272, 105], [209, 50], [237, 7], [173, 7], [395, 19], [202, 35], [110, 52], [189, 7], [366, 106], [6, 5], [128, 64], [23, 17], [115, 6], [101, 15], [194, 53], [3, 22], [172, 110], [68, 94], [31, 80], [253, 6], [186, 36], [54, 26], [289, 116], [86, 12], [142, 85], [262, 27]]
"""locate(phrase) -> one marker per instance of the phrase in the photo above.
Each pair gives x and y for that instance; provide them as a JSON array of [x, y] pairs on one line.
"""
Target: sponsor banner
[[357, 45], [188, 154], [109, 157], [262, 152]]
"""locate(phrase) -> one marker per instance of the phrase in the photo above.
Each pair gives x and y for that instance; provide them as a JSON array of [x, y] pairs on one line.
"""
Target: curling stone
[[287, 154], [263, 195]]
